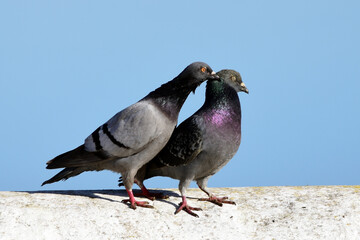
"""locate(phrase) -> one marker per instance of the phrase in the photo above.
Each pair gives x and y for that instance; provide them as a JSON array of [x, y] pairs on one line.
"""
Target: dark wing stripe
[[111, 137], [96, 139]]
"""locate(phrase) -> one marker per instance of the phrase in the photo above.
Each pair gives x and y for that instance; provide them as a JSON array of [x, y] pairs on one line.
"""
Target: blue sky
[[66, 67]]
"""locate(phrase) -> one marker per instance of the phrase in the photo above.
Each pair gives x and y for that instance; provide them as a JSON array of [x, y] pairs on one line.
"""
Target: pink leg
[[150, 195], [216, 200], [134, 203], [184, 206]]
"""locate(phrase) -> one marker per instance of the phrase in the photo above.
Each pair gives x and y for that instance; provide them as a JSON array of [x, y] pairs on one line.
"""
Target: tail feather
[[64, 174], [75, 162], [77, 157]]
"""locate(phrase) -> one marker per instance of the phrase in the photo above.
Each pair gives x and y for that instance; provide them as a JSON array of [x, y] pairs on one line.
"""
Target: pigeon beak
[[243, 88], [213, 76]]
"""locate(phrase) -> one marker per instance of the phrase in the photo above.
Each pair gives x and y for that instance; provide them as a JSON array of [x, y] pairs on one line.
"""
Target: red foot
[[183, 206], [134, 203], [151, 195], [218, 200], [137, 203]]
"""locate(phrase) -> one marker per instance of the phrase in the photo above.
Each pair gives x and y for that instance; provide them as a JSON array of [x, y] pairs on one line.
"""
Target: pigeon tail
[[64, 174], [77, 157]]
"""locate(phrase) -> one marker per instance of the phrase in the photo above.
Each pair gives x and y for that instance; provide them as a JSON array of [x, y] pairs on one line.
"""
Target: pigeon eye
[[203, 69]]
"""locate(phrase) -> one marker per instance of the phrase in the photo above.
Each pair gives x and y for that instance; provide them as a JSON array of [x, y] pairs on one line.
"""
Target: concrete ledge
[[314, 212]]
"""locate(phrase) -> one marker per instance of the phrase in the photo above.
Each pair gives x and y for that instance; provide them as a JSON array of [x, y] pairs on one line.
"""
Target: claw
[[152, 195], [184, 206], [134, 203], [218, 200]]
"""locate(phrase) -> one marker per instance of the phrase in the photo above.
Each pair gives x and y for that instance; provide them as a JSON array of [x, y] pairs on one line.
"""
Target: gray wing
[[128, 132], [184, 145]]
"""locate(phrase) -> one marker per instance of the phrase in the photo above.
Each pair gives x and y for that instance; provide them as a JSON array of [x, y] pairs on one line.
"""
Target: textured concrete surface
[[314, 212]]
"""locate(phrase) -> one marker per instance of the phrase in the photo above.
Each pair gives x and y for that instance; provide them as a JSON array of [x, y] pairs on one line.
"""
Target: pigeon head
[[170, 96], [233, 78], [196, 73]]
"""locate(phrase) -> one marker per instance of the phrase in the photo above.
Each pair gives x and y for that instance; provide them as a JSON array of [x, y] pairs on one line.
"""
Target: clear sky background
[[66, 67]]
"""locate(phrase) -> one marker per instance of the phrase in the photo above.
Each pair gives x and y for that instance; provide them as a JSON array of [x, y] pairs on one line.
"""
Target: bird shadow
[[106, 194]]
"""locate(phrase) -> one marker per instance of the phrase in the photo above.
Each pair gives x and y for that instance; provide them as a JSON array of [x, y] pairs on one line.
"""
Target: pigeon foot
[[135, 203], [151, 195], [218, 200], [184, 206]]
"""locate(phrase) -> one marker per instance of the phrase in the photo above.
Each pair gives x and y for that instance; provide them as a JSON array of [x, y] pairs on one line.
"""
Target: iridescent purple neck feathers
[[222, 104]]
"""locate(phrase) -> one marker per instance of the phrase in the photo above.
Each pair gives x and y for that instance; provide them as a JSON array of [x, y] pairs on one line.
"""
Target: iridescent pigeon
[[204, 143]]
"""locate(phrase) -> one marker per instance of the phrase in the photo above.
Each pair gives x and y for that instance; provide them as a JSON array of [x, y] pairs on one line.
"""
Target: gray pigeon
[[204, 143], [135, 135]]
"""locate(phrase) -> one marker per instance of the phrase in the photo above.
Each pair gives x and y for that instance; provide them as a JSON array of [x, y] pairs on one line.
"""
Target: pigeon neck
[[221, 95], [170, 97], [222, 108]]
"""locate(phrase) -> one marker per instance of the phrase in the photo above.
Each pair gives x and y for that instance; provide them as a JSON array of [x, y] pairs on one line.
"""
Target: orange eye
[[203, 69]]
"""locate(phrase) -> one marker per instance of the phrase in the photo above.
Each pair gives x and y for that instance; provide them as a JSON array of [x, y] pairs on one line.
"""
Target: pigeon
[[204, 143], [134, 136]]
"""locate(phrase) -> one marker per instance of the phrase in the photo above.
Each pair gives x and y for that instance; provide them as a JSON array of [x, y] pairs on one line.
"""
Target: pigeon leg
[[184, 206], [134, 203], [150, 195], [183, 185], [212, 198]]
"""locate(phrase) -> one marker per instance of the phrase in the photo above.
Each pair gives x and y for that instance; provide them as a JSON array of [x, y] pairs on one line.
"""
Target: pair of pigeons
[[142, 141]]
